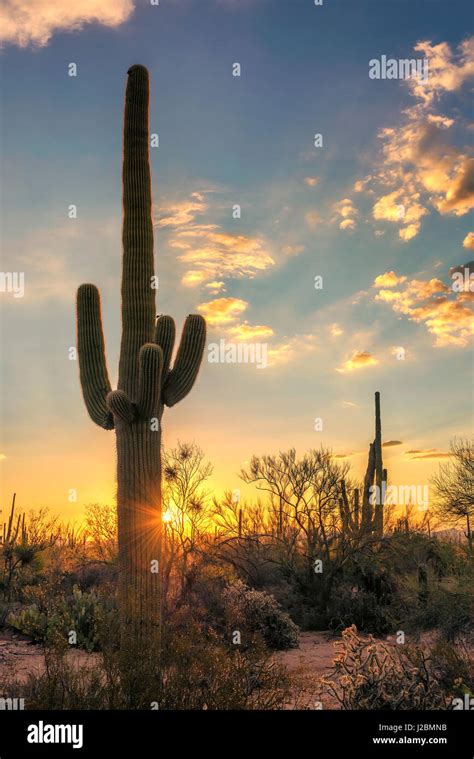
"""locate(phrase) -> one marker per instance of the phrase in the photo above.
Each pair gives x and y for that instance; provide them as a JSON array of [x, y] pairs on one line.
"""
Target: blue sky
[[305, 212]]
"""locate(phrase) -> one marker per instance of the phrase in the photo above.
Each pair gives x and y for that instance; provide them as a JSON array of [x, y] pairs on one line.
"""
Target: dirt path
[[306, 664], [19, 657]]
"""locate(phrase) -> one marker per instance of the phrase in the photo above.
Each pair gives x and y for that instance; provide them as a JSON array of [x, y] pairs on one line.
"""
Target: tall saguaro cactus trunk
[[379, 471], [145, 384]]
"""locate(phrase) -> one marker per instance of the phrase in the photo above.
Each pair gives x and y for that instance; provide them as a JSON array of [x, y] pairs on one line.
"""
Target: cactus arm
[[149, 382], [121, 406], [165, 332], [138, 296], [188, 359], [91, 350]]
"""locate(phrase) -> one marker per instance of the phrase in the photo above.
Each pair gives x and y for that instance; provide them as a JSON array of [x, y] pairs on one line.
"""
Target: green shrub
[[53, 617], [258, 612]]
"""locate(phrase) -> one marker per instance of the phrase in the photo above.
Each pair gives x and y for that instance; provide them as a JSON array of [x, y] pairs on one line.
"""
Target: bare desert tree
[[454, 487], [185, 511], [101, 531]]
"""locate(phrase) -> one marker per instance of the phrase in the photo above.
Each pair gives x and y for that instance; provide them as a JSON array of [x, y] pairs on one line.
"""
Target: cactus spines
[[145, 383]]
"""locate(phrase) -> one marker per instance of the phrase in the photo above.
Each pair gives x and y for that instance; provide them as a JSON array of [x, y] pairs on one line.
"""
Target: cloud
[[292, 250], [466, 270], [177, 214], [428, 453], [222, 310], [210, 252], [33, 22], [401, 206], [195, 277], [311, 181], [247, 331], [336, 330], [390, 443], [312, 219], [349, 224], [344, 209], [358, 360], [389, 279], [419, 167], [446, 314], [468, 241], [448, 69], [215, 287], [291, 349]]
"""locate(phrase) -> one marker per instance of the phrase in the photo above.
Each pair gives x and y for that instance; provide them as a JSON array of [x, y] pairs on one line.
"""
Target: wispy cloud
[[211, 253], [427, 453], [358, 360]]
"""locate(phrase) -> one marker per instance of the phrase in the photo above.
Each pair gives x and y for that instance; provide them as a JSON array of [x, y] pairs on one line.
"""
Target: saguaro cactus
[[146, 383], [373, 518]]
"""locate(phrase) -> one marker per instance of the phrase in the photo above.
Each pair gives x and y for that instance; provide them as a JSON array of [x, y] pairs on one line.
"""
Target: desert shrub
[[454, 667], [198, 671], [371, 675], [361, 608], [53, 616], [258, 612], [449, 609]]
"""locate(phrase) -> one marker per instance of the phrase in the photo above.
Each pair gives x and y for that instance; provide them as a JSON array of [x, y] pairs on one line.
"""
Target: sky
[[340, 263]]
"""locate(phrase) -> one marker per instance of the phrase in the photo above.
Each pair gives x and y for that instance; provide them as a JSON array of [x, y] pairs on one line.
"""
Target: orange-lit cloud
[[311, 181], [448, 69], [222, 310], [358, 360], [210, 252], [391, 443], [468, 241], [336, 330], [215, 287], [33, 22], [419, 167], [177, 214], [447, 315], [346, 213], [389, 279], [247, 331], [292, 349]]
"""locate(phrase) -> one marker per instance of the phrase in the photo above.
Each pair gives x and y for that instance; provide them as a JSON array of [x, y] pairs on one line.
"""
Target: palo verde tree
[[146, 383]]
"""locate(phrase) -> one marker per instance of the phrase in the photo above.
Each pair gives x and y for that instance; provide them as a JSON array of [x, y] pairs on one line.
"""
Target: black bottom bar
[[153, 733]]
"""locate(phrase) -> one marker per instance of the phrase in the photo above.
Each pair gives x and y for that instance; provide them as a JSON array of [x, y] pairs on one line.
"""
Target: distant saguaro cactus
[[146, 383], [373, 518]]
